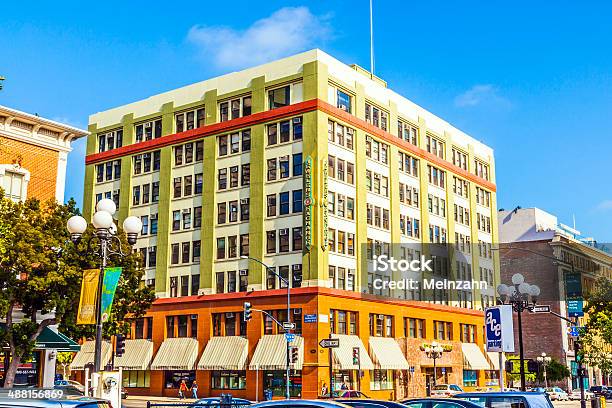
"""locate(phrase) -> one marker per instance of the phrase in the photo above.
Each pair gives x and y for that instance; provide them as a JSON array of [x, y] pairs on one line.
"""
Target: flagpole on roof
[[371, 41]]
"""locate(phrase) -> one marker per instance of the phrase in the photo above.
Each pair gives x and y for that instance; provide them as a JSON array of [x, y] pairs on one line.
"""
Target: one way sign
[[330, 343]]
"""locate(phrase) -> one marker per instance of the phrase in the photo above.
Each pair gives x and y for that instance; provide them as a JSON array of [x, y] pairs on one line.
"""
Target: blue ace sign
[[499, 328]]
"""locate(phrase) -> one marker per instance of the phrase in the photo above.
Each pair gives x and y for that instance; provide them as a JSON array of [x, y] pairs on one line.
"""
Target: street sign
[[290, 337], [499, 328], [288, 325], [574, 308], [330, 343], [310, 318], [574, 331], [540, 309]]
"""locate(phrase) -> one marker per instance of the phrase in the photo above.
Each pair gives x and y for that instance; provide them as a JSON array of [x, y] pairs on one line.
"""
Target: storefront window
[[382, 380], [346, 377], [469, 378], [136, 378], [173, 378], [228, 380], [27, 373], [275, 381]]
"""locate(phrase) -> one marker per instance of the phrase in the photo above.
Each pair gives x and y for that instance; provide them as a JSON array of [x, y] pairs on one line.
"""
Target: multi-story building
[[33, 155], [310, 166], [565, 265]]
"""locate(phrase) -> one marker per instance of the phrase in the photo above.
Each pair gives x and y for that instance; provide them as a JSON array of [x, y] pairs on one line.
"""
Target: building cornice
[[280, 113]]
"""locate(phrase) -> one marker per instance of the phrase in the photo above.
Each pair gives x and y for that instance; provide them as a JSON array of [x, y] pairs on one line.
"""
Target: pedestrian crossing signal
[[294, 355], [120, 345]]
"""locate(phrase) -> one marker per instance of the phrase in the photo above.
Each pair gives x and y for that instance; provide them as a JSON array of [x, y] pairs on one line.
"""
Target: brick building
[[530, 241], [33, 155]]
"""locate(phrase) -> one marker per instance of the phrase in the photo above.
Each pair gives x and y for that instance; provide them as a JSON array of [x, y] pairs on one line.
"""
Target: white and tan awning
[[179, 353], [473, 357], [493, 359], [138, 355], [271, 353], [225, 353], [343, 355], [85, 356], [387, 355]]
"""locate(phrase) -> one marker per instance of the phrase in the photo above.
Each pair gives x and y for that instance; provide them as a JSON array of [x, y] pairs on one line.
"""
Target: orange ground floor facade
[[318, 313]]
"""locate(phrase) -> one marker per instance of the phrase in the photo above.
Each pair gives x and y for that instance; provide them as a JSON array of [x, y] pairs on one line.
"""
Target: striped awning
[[387, 355], [180, 353], [137, 356], [85, 356], [343, 355], [493, 359], [473, 357], [271, 353], [225, 353]]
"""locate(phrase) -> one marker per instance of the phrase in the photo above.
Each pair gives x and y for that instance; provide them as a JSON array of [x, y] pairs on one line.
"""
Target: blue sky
[[533, 80]]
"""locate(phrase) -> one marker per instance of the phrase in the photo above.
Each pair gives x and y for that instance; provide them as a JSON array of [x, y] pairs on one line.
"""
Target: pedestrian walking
[[182, 389], [194, 389]]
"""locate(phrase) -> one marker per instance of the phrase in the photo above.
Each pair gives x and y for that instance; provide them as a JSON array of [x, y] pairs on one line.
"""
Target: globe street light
[[522, 296], [434, 352], [105, 236], [544, 360]]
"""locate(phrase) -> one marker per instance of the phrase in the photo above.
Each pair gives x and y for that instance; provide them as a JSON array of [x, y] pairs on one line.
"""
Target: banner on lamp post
[[109, 286], [499, 329], [89, 295]]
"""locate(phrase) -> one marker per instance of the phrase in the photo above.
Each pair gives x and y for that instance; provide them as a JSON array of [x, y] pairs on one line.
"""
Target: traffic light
[[294, 355], [120, 345], [356, 356], [247, 313], [509, 366], [532, 366]]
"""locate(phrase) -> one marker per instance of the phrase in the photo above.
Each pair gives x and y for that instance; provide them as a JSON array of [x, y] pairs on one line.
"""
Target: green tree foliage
[[555, 371], [41, 273], [596, 337], [64, 359]]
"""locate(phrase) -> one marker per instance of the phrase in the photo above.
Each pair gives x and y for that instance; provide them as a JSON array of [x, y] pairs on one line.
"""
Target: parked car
[[575, 395], [80, 402], [445, 390], [369, 403], [438, 403], [515, 399], [301, 403], [557, 394], [601, 391], [346, 394], [215, 401], [73, 383]]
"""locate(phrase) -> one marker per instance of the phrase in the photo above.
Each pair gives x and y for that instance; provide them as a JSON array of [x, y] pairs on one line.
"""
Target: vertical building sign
[[308, 203], [325, 237], [499, 329]]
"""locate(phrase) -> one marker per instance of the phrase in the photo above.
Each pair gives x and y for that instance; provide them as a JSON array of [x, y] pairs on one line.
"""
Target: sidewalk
[[159, 399]]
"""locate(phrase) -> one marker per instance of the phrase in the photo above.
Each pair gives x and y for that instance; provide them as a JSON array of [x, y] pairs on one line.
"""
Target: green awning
[[48, 339]]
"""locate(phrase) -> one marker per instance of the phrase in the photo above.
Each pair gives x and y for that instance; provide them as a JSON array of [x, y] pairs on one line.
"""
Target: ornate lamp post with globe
[[522, 296], [434, 351], [544, 360], [108, 243]]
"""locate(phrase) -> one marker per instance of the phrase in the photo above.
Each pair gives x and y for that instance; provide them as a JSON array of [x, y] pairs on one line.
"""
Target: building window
[[279, 97], [189, 120], [235, 108], [148, 130], [228, 380]]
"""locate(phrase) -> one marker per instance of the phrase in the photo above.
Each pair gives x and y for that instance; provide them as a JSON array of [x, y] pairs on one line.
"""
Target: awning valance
[[225, 353], [271, 353], [137, 356], [49, 339], [85, 356], [343, 355], [387, 355], [179, 353], [473, 357]]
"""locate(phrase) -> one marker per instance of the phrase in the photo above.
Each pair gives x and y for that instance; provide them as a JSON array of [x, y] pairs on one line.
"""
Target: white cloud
[[605, 205], [287, 31], [481, 94]]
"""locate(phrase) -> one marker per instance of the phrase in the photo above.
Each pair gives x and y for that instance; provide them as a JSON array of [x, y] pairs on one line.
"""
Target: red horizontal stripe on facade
[[280, 113]]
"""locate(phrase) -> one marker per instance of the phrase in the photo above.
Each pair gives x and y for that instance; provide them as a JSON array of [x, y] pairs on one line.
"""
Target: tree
[[41, 273], [64, 359], [555, 371], [596, 337]]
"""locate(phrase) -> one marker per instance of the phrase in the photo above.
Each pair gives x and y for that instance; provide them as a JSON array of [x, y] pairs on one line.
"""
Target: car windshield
[[476, 400], [538, 401]]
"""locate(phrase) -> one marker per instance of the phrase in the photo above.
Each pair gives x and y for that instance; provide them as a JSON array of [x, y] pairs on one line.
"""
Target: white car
[[575, 395], [445, 390], [557, 394]]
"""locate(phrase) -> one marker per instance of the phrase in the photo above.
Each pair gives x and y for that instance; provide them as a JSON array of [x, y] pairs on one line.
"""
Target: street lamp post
[[434, 352], [522, 296], [288, 285], [106, 236], [544, 360]]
